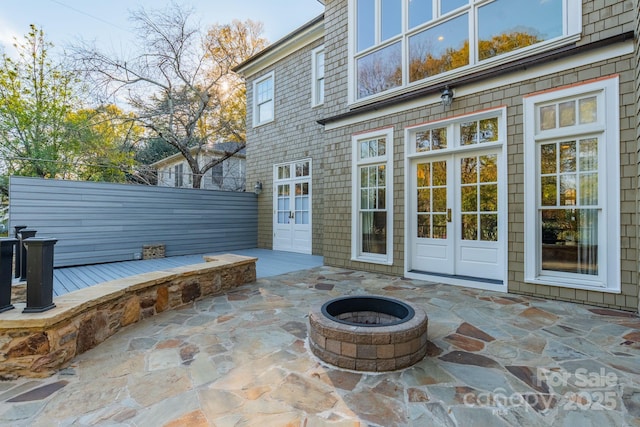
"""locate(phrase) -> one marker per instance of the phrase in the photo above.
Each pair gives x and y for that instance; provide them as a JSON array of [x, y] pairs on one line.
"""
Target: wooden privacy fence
[[97, 222]]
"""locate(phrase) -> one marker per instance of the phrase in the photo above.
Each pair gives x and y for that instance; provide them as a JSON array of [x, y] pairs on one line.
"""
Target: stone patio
[[242, 359]]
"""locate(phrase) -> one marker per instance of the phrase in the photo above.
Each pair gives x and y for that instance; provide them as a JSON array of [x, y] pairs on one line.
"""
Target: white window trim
[[572, 30], [267, 76], [609, 128], [356, 255], [315, 96]]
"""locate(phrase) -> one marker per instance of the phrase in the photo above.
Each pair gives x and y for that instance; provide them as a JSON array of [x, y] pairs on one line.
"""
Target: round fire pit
[[368, 333]]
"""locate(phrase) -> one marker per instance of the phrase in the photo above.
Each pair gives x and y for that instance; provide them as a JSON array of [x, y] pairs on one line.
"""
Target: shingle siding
[[293, 135]]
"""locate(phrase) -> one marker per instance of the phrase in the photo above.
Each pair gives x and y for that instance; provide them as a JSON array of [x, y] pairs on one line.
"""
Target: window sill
[[373, 260], [571, 284]]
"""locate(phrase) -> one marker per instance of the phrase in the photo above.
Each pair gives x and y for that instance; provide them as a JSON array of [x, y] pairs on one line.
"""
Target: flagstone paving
[[242, 360]]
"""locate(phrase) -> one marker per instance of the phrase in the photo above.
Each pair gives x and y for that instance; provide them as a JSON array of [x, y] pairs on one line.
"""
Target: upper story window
[[317, 78], [404, 42], [263, 100]]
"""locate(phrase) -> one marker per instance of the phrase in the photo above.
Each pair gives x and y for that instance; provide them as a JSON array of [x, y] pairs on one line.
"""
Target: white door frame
[[412, 158], [296, 236]]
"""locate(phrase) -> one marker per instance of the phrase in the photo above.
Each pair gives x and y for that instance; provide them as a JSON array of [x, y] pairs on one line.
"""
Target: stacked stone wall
[[38, 344]]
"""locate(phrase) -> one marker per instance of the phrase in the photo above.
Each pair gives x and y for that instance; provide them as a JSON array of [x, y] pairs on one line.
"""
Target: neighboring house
[[228, 175], [486, 144]]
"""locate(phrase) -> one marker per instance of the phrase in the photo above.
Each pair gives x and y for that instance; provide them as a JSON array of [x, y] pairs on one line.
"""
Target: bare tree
[[179, 86]]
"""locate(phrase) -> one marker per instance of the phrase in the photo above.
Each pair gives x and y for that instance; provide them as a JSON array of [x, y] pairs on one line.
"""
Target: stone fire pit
[[368, 333]]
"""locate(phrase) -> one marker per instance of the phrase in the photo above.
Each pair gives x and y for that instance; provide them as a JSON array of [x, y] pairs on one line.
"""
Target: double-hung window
[[179, 175], [217, 174], [317, 78], [372, 220], [400, 43], [572, 186], [263, 100]]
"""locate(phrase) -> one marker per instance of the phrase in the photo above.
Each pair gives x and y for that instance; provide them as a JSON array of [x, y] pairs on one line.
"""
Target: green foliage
[[44, 132]]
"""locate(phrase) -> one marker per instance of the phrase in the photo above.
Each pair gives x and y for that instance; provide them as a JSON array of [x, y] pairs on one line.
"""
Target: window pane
[[489, 168], [283, 172], [548, 158], [588, 155], [423, 141], [548, 117], [380, 70], [488, 130], [588, 110], [366, 23], [391, 18], [265, 112], [439, 49], [439, 138], [420, 11], [489, 227], [508, 25], [567, 113], [424, 226], [469, 170], [439, 227], [424, 174], [589, 189], [489, 198], [568, 156], [374, 232], [424, 200], [568, 190], [364, 177], [447, 6], [469, 198], [468, 133], [548, 196], [469, 227], [570, 240], [382, 147], [382, 176], [439, 199], [439, 173]]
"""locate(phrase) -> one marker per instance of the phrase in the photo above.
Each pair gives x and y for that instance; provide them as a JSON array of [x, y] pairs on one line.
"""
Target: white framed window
[[179, 175], [400, 43], [572, 186], [372, 198], [217, 174], [317, 76], [263, 100]]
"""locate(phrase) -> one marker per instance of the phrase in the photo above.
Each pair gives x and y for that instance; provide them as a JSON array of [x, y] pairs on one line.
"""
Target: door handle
[[291, 215], [449, 215]]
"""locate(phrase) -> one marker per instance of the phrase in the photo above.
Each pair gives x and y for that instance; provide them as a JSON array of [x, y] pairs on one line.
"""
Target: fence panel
[[97, 222]]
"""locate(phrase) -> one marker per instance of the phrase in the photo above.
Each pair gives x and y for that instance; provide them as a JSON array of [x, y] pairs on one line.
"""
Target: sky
[[106, 22]]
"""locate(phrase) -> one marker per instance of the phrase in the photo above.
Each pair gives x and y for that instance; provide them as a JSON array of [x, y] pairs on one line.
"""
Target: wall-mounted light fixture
[[446, 97], [257, 188]]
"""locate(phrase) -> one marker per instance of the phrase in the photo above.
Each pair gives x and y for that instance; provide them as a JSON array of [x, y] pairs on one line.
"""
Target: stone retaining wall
[[38, 344]]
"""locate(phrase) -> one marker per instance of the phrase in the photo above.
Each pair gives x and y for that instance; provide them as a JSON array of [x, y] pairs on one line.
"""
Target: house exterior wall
[[601, 58], [233, 175], [292, 135], [637, 68]]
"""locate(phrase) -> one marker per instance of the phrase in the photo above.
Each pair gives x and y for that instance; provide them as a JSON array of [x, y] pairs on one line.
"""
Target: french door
[[456, 227], [292, 207]]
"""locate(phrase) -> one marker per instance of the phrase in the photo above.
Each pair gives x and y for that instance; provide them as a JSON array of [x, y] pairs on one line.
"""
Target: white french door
[[292, 207], [456, 227]]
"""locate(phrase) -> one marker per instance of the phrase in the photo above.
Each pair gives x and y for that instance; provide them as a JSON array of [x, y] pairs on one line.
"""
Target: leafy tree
[[36, 97], [181, 88], [44, 131]]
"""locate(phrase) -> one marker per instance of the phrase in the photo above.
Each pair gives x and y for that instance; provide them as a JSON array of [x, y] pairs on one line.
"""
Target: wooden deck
[[270, 263]]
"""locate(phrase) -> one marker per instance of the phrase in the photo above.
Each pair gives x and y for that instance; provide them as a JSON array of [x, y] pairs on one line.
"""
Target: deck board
[[270, 263]]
